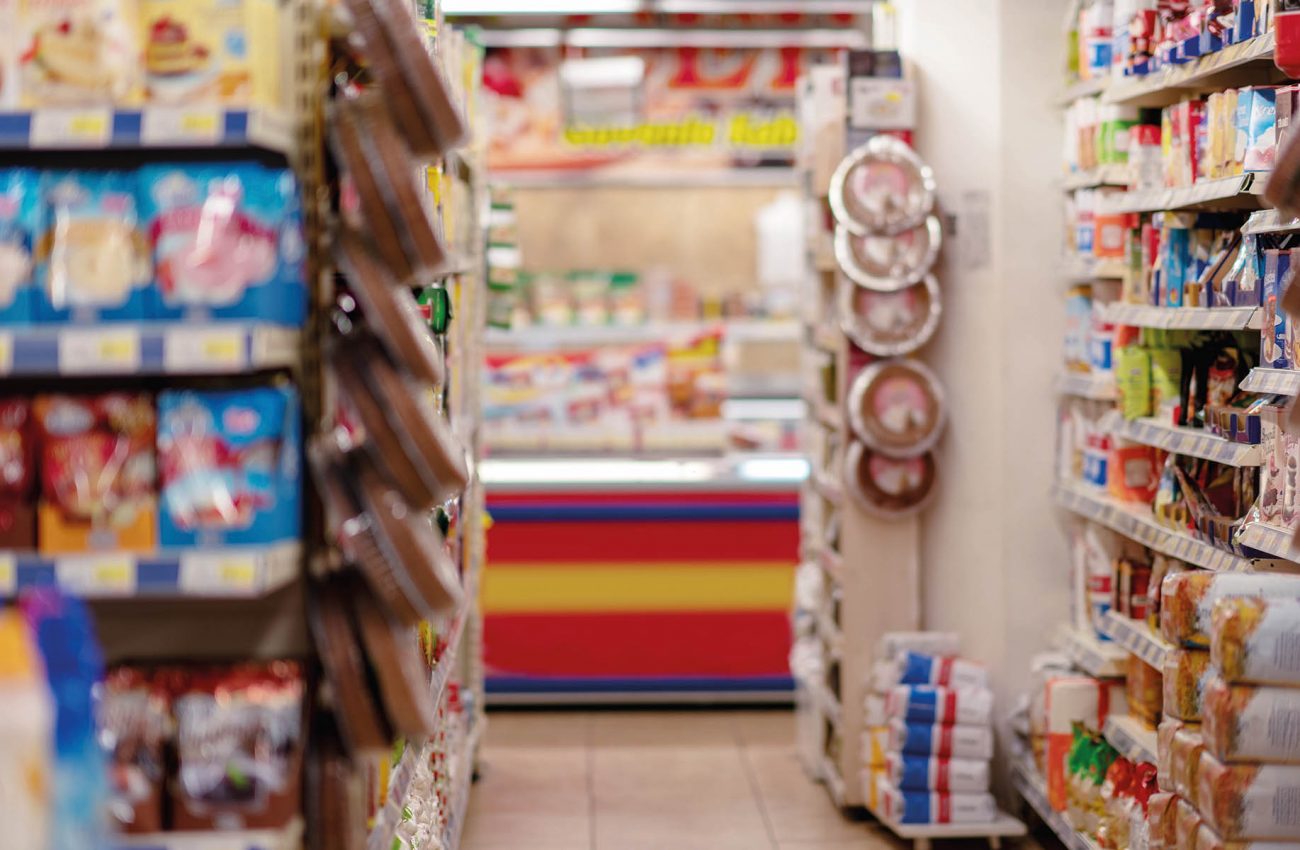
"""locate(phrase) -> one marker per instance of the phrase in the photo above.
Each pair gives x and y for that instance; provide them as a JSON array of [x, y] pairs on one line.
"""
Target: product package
[[1144, 690], [205, 51], [17, 476], [893, 644], [1245, 723], [921, 773], [136, 719], [227, 242], [1261, 139], [917, 668], [91, 261], [1255, 640], [1186, 672], [1071, 701], [953, 742], [1186, 747], [76, 53], [19, 220], [1275, 351], [1249, 801], [1188, 599], [239, 741], [908, 807], [230, 467], [875, 744], [97, 473], [939, 705]]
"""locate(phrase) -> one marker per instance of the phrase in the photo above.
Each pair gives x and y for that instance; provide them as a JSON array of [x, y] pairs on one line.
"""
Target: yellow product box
[[225, 52], [71, 52]]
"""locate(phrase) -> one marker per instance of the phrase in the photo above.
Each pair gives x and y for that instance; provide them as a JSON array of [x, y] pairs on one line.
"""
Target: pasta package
[[1184, 759], [1257, 640], [1187, 821], [1162, 809], [1144, 688], [1250, 801], [1185, 674], [1164, 752], [1244, 723], [1187, 600]]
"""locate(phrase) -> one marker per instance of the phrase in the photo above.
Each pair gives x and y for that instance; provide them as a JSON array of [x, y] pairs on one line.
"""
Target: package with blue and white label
[[894, 644], [19, 218], [920, 807], [916, 668], [927, 773], [227, 242], [957, 742], [928, 704]]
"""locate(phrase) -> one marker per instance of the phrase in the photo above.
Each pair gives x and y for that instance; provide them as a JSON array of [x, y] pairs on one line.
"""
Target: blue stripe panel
[[151, 351], [236, 129], [126, 131], [638, 685], [616, 512], [157, 576], [127, 127]]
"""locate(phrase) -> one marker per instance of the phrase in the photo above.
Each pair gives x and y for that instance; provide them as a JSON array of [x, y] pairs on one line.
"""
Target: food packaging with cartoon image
[[214, 52], [97, 473], [230, 467], [1188, 600], [19, 220], [1257, 802], [1185, 673], [92, 262], [76, 53], [17, 475], [1257, 640], [135, 719], [1247, 723]]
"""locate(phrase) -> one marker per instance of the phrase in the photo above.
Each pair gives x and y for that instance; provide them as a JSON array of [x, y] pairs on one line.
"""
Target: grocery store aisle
[[646, 780]]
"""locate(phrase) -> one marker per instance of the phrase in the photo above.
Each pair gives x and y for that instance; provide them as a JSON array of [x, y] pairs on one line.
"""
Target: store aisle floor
[[648, 780]]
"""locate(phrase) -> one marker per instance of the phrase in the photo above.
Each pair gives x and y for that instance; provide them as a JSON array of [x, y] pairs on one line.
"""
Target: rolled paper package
[[927, 704], [925, 773]]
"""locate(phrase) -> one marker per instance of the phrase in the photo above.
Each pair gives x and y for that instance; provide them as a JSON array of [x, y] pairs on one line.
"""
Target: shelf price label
[[181, 125], [6, 353], [99, 351], [109, 575], [72, 128], [199, 349], [8, 576], [218, 574]]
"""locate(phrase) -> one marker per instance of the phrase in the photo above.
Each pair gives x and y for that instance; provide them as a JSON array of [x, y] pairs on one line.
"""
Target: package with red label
[[135, 719], [915, 668], [1245, 723], [1144, 689], [923, 773], [926, 704], [97, 473], [1256, 640], [239, 748], [17, 475], [921, 807], [1185, 673], [1133, 577], [958, 742], [1070, 700], [1258, 802], [1187, 600]]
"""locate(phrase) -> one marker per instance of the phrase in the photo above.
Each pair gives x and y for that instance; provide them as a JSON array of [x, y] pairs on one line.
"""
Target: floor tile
[[538, 729], [797, 808], [530, 797], [765, 728], [683, 728]]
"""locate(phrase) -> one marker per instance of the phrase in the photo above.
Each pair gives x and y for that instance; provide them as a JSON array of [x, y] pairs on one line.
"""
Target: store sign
[[643, 110]]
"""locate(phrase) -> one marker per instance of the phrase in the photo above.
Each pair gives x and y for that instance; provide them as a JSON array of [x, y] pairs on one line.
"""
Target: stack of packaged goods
[[930, 736], [1229, 749]]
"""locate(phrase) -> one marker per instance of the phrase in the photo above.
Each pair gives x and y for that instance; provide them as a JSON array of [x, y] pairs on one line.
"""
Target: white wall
[[993, 556]]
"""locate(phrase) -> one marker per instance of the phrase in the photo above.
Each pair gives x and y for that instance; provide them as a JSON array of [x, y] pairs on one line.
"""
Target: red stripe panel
[[670, 541], [640, 497], [694, 644]]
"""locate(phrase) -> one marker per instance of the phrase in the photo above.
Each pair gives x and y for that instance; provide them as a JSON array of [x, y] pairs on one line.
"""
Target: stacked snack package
[[1229, 745], [930, 735]]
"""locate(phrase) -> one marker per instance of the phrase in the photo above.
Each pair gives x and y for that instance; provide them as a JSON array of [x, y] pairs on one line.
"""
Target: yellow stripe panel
[[636, 588]]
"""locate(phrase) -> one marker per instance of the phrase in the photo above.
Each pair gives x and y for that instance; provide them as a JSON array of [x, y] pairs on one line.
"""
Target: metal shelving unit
[[1131, 737], [1193, 442], [1186, 318], [1137, 638]]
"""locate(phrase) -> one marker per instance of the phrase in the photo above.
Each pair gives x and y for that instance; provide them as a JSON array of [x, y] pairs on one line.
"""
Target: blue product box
[[226, 241], [19, 209], [1178, 257], [1210, 43], [91, 261], [230, 467], [1274, 349], [1246, 20], [1189, 48]]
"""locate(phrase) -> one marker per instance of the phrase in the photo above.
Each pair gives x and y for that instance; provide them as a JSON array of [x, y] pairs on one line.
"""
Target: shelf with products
[[1029, 782], [1102, 175], [1268, 221], [1272, 381], [244, 573], [1194, 442], [1139, 525], [558, 336], [107, 127], [1185, 318], [1082, 89], [1137, 638], [1083, 270], [1134, 739], [1252, 58], [1271, 541], [1092, 655], [1227, 193], [151, 349], [288, 838], [1098, 386]]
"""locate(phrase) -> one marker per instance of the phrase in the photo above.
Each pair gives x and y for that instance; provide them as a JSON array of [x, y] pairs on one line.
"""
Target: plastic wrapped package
[[1144, 689], [1187, 600], [1250, 801], [1187, 821], [1165, 732], [1245, 723], [1254, 640], [921, 807], [922, 773], [925, 704], [1185, 674], [958, 742], [916, 668], [1071, 701], [1185, 753], [1161, 810]]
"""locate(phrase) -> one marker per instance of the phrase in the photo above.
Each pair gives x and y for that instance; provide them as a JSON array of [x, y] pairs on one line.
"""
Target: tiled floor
[[647, 780]]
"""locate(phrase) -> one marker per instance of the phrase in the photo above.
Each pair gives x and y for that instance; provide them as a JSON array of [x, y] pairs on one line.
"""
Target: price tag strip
[[1137, 638]]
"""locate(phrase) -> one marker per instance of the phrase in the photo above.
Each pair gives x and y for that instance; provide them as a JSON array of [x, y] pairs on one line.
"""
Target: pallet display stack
[[240, 335], [1176, 459]]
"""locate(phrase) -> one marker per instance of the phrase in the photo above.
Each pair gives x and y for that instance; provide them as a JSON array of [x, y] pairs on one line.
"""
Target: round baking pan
[[886, 487], [882, 188], [889, 263], [896, 407], [890, 324]]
